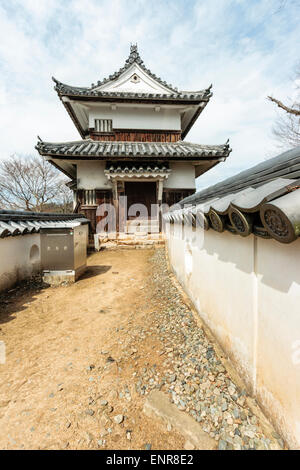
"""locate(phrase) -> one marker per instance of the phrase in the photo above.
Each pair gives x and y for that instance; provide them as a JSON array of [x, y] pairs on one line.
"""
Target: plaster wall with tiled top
[[20, 259], [247, 291]]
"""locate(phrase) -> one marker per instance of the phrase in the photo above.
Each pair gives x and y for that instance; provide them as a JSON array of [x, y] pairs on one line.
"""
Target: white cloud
[[247, 50]]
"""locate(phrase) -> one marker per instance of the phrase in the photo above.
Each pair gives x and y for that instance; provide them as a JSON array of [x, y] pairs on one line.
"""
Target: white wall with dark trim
[[247, 291]]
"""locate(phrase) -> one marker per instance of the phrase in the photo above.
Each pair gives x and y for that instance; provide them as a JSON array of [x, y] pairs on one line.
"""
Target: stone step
[[136, 227], [141, 223]]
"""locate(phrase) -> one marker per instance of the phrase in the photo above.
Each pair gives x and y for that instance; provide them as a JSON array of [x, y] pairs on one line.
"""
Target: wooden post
[[116, 203], [159, 202]]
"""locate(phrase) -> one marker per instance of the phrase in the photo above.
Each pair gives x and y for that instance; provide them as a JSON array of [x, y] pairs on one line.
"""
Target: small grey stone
[[89, 412], [148, 446], [118, 419], [222, 445], [172, 378]]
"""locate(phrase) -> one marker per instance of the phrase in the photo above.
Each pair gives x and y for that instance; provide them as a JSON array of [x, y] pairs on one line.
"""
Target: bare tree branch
[[32, 184], [287, 126], [289, 110]]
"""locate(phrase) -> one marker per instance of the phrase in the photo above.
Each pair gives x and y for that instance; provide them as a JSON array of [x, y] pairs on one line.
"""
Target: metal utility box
[[63, 252]]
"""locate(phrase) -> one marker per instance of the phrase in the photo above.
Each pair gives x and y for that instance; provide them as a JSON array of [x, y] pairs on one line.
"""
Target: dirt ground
[[81, 360], [59, 373]]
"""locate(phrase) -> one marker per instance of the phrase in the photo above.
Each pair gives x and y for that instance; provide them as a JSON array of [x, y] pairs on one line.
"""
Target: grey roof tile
[[281, 166], [103, 150], [264, 200], [14, 223]]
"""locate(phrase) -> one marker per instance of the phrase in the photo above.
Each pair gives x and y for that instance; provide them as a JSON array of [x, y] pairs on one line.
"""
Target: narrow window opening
[[103, 125]]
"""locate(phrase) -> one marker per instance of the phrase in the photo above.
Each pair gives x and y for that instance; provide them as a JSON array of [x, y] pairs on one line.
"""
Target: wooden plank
[[136, 135]]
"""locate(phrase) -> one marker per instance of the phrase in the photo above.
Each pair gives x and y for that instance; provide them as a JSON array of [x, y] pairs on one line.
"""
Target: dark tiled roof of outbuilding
[[107, 150], [264, 200], [13, 223], [285, 165]]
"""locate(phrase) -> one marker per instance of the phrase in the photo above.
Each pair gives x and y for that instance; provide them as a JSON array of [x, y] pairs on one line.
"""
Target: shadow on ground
[[93, 271], [12, 300]]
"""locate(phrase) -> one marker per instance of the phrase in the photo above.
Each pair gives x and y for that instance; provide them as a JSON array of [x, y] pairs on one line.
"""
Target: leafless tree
[[31, 183], [287, 127], [64, 199]]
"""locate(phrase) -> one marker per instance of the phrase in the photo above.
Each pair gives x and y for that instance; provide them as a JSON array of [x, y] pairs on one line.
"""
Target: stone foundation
[[130, 241]]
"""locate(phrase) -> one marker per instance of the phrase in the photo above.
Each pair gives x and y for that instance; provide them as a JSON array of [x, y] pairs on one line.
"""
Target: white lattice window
[[103, 125]]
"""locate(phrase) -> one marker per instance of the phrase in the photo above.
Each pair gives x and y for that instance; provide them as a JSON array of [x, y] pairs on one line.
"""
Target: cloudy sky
[[246, 49]]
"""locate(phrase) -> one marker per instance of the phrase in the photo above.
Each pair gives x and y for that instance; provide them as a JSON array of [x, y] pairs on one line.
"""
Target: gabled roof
[[97, 91], [134, 58], [133, 83], [107, 150]]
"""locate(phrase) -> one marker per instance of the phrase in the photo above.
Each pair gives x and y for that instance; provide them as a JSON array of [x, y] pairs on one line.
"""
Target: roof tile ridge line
[[73, 142], [62, 84], [226, 145], [134, 57], [203, 90]]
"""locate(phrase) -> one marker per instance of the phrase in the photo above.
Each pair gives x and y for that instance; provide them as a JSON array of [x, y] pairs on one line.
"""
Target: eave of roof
[[89, 94], [15, 223], [285, 165], [263, 200], [121, 150]]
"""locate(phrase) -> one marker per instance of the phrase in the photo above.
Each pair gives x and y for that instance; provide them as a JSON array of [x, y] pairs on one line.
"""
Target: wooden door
[[140, 193]]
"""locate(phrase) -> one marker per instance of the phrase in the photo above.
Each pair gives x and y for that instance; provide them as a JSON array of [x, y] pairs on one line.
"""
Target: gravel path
[[194, 377]]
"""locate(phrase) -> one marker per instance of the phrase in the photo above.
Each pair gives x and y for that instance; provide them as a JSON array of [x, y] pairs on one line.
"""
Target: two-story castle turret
[[132, 127]]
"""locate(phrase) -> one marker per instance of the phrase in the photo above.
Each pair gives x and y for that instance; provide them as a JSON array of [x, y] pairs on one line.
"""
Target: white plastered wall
[[136, 117], [181, 177], [90, 175], [19, 258], [247, 290]]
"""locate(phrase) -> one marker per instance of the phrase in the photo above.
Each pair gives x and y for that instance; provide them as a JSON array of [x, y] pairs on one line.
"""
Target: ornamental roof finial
[[133, 47], [134, 55]]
